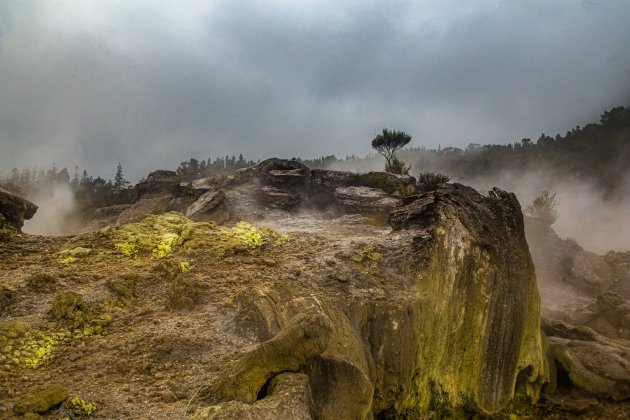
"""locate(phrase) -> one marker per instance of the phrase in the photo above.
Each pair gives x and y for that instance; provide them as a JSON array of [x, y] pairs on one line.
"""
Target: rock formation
[[14, 210]]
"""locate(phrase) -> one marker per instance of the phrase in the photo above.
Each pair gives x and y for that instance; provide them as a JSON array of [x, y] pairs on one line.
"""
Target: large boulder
[[145, 206], [14, 210]]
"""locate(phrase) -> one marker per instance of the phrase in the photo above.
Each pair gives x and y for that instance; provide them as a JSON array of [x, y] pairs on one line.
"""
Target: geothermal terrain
[[283, 292]]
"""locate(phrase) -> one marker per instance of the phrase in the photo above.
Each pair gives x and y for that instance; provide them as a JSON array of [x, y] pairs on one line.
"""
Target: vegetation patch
[[368, 257], [124, 287], [81, 407]]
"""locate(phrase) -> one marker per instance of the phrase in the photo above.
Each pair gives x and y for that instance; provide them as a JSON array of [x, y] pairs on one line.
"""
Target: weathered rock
[[596, 366], [329, 180], [41, 399], [14, 210], [479, 321], [589, 272], [609, 316], [619, 262], [105, 216], [340, 389], [280, 198], [205, 206], [275, 164], [294, 346], [365, 199], [289, 397], [144, 207], [158, 183]]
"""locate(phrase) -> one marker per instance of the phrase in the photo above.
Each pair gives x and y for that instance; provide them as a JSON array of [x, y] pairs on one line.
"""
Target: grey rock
[[365, 199], [206, 204]]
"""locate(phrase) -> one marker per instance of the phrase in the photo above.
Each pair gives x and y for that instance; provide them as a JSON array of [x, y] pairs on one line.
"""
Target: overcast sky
[[151, 83]]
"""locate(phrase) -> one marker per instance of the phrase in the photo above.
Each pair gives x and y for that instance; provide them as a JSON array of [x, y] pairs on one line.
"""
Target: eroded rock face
[[105, 216], [456, 331], [14, 210]]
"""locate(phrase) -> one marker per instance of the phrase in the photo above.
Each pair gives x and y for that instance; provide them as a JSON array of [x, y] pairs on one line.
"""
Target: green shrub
[[430, 181]]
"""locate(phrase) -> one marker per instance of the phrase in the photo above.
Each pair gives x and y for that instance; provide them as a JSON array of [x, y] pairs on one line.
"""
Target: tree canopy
[[387, 143]]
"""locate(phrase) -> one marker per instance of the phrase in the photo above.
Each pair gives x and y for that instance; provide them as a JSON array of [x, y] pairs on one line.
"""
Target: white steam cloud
[[57, 213]]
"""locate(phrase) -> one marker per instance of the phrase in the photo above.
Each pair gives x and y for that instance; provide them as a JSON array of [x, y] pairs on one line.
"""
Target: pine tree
[[120, 183]]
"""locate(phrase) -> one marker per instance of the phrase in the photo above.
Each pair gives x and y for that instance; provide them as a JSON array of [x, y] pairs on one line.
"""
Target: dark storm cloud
[[153, 83]]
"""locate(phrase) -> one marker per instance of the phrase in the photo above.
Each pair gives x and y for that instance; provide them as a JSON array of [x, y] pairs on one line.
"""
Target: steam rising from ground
[[597, 223], [57, 213]]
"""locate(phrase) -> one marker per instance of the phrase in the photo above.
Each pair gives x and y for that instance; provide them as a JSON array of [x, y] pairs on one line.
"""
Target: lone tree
[[386, 143], [543, 208]]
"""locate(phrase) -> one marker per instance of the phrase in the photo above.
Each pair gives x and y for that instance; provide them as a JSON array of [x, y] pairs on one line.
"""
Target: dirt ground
[[164, 332]]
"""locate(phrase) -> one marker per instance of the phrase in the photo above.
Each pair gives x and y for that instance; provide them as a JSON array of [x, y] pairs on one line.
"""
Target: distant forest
[[598, 152]]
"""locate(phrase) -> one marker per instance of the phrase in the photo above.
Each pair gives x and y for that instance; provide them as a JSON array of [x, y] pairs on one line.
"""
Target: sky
[[151, 83]]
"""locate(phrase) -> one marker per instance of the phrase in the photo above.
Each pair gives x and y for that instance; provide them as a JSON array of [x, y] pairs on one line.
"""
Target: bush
[[543, 208], [397, 166], [430, 181]]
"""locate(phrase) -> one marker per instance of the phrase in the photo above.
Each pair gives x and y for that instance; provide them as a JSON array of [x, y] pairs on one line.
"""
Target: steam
[[57, 213], [598, 223]]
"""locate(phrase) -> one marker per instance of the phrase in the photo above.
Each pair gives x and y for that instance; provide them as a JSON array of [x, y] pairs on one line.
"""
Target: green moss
[[70, 308], [41, 399], [81, 407], [368, 257]]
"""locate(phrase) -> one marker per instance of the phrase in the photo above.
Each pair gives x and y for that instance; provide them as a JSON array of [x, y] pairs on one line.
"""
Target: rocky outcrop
[[14, 210], [140, 209], [364, 199], [586, 363], [459, 331], [159, 183]]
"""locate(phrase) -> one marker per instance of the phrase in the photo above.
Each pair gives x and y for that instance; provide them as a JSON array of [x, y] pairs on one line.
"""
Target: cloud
[[152, 83]]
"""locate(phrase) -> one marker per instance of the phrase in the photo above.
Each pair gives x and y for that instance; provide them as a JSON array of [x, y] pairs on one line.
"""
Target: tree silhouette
[[387, 142]]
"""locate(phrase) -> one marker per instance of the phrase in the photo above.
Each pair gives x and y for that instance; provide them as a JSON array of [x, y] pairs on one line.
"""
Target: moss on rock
[[70, 308], [41, 399]]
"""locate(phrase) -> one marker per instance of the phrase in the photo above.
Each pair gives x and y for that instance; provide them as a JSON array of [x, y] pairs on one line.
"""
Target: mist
[[597, 221], [58, 212]]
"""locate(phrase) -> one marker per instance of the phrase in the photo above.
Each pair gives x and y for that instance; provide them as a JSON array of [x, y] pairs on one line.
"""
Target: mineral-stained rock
[[329, 180], [41, 399], [289, 397], [205, 206], [14, 210], [306, 337], [460, 331]]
